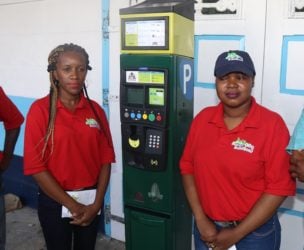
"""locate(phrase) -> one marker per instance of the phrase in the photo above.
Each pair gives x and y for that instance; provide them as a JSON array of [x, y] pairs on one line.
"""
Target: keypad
[[154, 141]]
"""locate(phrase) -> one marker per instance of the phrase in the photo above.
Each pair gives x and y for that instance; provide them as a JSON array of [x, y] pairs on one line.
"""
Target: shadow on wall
[[17, 183]]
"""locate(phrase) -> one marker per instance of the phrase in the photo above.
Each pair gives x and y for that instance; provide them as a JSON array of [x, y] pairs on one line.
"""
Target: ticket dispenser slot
[[135, 137], [144, 147]]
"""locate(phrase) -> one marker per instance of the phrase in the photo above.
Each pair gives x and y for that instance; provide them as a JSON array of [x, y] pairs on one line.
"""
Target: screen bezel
[[123, 34]]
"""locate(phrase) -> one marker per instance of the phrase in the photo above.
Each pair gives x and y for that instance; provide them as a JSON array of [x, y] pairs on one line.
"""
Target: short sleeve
[[9, 113]]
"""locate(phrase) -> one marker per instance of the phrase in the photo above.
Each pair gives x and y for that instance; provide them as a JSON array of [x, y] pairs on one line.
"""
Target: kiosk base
[[147, 231]]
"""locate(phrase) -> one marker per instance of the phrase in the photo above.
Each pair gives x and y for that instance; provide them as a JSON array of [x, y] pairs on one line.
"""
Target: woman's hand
[[207, 230], [91, 211], [87, 215], [226, 238], [297, 165]]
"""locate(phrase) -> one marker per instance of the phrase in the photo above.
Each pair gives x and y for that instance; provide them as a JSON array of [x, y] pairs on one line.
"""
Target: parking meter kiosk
[[156, 108]]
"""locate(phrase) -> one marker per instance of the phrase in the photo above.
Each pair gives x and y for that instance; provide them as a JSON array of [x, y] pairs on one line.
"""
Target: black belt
[[85, 188], [227, 224]]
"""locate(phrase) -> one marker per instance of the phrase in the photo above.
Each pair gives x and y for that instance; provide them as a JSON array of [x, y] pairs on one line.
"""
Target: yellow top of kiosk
[[158, 27]]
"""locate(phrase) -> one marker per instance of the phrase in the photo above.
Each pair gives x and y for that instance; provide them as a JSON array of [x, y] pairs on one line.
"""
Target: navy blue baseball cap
[[234, 61]]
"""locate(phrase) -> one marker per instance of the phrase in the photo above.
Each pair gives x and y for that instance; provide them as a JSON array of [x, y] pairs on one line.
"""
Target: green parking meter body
[[156, 109]]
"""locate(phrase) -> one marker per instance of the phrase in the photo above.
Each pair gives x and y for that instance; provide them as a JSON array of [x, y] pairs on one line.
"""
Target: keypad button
[[151, 117]]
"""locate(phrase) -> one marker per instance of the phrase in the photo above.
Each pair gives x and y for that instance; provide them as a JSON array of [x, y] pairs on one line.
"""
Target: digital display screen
[[135, 96], [145, 33], [151, 77], [157, 96]]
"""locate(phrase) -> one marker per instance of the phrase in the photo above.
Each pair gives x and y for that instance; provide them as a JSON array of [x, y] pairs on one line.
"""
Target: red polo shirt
[[9, 113], [233, 168], [80, 148]]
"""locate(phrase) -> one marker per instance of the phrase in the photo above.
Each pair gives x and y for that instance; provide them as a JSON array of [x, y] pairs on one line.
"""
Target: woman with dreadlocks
[[68, 151]]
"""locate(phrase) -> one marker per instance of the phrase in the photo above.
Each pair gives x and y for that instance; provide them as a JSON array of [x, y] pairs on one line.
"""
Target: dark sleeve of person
[[9, 113], [12, 119]]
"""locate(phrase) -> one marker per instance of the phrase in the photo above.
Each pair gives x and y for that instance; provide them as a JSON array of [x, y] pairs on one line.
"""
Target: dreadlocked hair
[[52, 62]]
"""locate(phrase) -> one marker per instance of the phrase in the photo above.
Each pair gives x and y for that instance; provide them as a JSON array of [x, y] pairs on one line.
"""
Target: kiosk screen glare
[[157, 96]]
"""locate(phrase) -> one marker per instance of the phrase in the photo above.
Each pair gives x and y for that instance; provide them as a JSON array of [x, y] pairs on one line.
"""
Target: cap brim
[[222, 71]]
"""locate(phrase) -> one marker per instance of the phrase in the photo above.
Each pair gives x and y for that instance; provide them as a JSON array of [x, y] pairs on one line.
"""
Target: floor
[[24, 233]]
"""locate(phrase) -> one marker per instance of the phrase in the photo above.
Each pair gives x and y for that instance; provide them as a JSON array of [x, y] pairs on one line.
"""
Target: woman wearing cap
[[234, 165]]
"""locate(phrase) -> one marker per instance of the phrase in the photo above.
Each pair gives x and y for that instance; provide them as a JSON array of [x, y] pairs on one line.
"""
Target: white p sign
[[187, 77]]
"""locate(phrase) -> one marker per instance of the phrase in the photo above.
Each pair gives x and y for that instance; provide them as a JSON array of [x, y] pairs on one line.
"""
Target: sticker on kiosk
[[151, 77]]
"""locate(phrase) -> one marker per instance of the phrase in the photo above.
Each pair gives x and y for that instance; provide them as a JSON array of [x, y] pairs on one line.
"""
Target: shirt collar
[[252, 119], [82, 102]]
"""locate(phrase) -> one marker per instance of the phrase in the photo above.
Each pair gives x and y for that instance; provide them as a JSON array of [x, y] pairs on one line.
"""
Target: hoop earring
[[56, 82]]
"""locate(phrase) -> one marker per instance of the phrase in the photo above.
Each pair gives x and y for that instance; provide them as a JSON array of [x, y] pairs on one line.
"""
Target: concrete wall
[[29, 30]]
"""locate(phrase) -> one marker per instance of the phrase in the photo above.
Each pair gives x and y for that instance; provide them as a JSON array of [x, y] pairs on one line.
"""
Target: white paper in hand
[[85, 197]]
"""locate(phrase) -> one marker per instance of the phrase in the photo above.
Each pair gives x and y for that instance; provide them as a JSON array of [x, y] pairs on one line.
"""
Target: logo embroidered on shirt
[[240, 144], [232, 56], [91, 122]]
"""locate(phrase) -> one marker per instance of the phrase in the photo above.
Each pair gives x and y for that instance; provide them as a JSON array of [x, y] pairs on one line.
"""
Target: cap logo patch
[[232, 56]]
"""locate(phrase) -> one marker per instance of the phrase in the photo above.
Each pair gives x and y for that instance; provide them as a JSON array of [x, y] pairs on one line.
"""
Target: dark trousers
[[59, 234], [2, 217]]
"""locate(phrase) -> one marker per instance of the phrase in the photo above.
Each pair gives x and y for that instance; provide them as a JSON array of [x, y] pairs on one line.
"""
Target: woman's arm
[[103, 181], [51, 188], [11, 136], [205, 226]]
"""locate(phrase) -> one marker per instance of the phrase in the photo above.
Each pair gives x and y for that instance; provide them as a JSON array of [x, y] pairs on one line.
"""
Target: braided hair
[[52, 62]]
